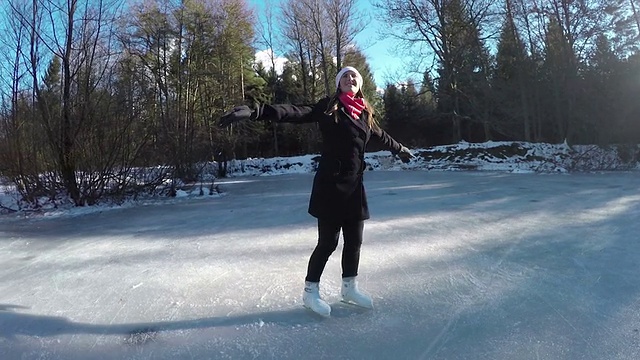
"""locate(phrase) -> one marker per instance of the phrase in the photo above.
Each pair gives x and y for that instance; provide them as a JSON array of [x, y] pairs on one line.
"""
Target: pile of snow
[[488, 156], [516, 157]]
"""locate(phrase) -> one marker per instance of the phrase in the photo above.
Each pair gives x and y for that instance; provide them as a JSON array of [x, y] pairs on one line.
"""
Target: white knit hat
[[344, 70]]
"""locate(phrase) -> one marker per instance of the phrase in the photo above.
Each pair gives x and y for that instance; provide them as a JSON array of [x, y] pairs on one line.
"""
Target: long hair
[[334, 101]]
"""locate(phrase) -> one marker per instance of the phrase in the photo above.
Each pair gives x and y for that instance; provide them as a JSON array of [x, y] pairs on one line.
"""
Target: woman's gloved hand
[[405, 154], [239, 113]]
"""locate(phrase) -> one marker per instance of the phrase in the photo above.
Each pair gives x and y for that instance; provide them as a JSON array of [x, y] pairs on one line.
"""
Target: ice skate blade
[[317, 313], [356, 305]]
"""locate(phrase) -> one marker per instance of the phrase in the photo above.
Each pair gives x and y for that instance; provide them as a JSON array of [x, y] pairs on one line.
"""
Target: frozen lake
[[460, 265]]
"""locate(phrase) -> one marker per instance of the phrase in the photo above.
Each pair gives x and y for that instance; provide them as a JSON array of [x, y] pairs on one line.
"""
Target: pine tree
[[602, 114], [427, 95], [559, 71], [509, 81], [393, 109], [463, 71]]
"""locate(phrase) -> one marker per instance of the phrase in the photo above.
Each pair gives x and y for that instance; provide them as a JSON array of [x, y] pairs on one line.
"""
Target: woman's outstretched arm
[[275, 112], [395, 147], [287, 113]]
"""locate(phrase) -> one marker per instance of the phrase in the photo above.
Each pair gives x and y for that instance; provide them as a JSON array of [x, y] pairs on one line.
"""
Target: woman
[[338, 198]]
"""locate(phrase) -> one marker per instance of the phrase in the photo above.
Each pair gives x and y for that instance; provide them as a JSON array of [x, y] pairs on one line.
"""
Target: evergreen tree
[[393, 109], [559, 74], [464, 71], [407, 117], [601, 79], [629, 109], [509, 82], [290, 90], [427, 95]]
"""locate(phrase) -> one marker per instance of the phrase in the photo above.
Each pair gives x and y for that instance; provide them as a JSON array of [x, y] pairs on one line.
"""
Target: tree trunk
[[66, 156], [274, 128]]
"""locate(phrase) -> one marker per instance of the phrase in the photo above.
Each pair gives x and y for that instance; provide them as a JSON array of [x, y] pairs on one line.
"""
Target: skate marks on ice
[[456, 272], [340, 310], [141, 336], [512, 277]]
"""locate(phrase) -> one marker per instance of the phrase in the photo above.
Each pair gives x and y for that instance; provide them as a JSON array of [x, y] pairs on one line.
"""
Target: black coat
[[338, 192]]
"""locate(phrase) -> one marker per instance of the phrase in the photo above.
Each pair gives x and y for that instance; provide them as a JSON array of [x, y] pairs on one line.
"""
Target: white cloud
[[264, 57]]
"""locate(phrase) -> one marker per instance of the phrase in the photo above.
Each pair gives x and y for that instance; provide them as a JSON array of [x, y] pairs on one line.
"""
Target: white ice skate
[[312, 301], [352, 295]]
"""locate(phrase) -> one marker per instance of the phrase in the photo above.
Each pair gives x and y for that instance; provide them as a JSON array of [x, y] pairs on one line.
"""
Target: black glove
[[405, 154], [239, 113]]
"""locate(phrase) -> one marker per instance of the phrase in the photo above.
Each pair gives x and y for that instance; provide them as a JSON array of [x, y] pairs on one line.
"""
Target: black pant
[[328, 235]]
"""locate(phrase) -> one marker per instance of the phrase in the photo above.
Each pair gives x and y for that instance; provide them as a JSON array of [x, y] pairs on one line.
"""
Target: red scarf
[[352, 104]]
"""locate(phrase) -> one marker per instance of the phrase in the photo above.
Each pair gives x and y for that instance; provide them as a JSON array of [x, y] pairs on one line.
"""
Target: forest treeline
[[93, 91]]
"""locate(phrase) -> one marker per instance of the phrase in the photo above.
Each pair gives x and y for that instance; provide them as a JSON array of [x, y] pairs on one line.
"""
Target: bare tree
[[71, 103], [13, 137], [267, 36], [346, 22], [299, 39], [317, 25]]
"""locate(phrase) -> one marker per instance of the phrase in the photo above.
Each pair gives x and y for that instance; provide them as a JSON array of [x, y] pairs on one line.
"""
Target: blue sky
[[384, 60]]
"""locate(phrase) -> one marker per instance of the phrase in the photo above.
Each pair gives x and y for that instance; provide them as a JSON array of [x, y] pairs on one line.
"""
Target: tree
[[448, 29], [410, 114], [316, 24], [636, 15], [200, 59], [625, 25], [427, 95], [346, 22], [393, 109], [601, 116], [511, 81], [18, 132], [629, 110], [299, 40], [77, 35], [560, 76]]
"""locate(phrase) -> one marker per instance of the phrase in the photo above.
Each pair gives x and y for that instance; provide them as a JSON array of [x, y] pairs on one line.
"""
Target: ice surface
[[461, 265]]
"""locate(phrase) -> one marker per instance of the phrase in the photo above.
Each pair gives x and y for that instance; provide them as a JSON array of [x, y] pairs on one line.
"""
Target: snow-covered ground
[[510, 264]]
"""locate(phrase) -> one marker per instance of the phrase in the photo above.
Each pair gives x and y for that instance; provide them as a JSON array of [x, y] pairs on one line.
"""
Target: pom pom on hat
[[343, 71]]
